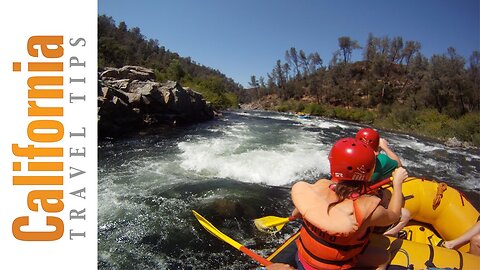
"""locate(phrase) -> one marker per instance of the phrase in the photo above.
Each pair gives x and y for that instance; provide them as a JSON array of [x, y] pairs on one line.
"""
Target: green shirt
[[384, 166]]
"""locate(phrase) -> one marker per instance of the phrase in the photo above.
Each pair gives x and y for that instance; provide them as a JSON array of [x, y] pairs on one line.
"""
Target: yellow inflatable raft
[[444, 208], [438, 212]]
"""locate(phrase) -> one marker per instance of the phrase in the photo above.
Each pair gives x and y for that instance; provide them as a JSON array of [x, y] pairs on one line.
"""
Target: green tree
[[414, 86], [254, 85], [175, 71], [447, 83], [370, 49], [410, 49], [279, 74], [291, 57], [261, 82], [347, 45], [474, 74], [396, 49], [316, 62], [253, 81], [335, 59], [286, 70], [305, 62]]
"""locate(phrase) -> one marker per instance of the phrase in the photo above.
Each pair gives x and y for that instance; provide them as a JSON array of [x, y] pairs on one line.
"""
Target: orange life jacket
[[321, 244]]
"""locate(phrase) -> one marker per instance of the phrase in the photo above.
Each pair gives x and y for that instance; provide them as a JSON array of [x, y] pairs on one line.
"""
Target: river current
[[231, 170]]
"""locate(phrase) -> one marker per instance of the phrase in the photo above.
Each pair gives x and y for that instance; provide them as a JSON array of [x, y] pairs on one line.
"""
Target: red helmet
[[351, 159], [369, 136]]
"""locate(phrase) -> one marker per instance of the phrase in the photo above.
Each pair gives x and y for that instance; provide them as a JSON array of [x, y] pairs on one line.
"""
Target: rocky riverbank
[[130, 100], [427, 123]]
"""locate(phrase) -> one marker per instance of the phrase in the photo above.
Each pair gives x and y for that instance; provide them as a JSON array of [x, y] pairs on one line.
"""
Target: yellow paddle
[[211, 229], [272, 224]]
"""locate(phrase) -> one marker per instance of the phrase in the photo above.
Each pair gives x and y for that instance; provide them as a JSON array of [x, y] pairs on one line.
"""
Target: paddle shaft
[[255, 256], [378, 185]]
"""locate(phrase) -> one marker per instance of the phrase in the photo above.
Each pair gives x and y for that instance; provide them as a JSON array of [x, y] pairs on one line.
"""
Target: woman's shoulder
[[323, 182], [306, 185]]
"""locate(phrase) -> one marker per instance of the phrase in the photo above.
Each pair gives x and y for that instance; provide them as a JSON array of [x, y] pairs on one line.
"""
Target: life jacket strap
[[322, 241], [325, 261]]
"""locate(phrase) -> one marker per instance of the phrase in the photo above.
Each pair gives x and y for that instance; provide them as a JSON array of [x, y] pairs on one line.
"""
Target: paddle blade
[[211, 229], [270, 224]]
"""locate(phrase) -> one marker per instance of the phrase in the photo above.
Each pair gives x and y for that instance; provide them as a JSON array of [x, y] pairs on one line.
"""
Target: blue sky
[[245, 37]]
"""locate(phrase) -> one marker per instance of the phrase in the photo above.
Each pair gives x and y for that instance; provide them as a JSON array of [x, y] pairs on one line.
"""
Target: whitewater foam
[[240, 158]]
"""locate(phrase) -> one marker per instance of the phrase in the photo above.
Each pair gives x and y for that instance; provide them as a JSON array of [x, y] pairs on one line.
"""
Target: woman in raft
[[385, 164], [338, 216]]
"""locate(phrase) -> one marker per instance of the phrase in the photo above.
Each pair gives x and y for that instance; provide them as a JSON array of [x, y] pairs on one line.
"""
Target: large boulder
[[128, 72], [129, 100]]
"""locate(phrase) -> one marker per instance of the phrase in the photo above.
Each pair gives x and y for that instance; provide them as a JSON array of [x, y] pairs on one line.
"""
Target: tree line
[[119, 46], [393, 78]]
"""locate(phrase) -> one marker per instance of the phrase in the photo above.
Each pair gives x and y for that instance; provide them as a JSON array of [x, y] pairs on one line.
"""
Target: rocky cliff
[[129, 100]]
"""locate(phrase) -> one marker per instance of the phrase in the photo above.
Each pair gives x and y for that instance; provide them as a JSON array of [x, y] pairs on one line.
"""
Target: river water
[[231, 170]]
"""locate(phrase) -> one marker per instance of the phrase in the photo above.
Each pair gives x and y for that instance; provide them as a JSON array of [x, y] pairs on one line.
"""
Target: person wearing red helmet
[[338, 216], [384, 166], [386, 162]]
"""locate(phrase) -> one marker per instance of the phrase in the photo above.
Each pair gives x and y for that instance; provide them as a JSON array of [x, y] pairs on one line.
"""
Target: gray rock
[[130, 101], [453, 142], [128, 72]]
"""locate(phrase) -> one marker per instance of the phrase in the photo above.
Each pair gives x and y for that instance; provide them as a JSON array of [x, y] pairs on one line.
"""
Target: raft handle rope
[[438, 197], [429, 263], [461, 197], [409, 266]]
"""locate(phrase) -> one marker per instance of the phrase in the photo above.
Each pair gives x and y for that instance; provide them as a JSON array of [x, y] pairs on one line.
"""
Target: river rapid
[[231, 170]]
